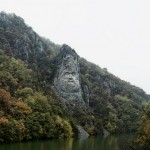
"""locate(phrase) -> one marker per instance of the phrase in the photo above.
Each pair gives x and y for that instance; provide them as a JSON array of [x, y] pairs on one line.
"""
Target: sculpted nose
[[70, 77]]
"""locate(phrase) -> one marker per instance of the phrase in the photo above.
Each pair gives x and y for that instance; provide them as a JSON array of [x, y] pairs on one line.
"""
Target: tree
[[143, 138]]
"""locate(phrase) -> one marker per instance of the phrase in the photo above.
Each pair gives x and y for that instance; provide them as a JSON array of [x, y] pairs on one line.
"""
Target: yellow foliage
[[3, 120], [64, 127], [23, 107]]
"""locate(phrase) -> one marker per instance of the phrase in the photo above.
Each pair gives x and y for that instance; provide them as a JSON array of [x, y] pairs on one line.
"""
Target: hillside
[[47, 89]]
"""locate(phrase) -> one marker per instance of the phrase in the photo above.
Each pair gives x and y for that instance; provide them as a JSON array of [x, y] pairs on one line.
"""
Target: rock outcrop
[[67, 81], [20, 41], [81, 132]]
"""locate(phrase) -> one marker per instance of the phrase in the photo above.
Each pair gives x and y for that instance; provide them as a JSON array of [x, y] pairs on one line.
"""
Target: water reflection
[[92, 143]]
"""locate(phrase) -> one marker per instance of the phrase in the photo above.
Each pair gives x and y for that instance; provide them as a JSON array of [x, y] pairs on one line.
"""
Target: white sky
[[114, 34]]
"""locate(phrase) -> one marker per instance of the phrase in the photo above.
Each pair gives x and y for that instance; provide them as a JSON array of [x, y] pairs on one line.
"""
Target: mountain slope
[[56, 89]]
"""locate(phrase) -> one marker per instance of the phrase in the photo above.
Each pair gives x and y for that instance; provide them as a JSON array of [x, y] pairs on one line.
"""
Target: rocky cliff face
[[20, 41], [67, 80]]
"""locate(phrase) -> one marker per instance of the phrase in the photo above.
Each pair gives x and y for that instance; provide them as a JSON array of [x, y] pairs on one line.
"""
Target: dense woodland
[[31, 109]]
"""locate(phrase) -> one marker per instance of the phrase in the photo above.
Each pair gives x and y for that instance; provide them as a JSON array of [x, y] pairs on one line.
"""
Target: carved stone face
[[68, 77], [67, 81]]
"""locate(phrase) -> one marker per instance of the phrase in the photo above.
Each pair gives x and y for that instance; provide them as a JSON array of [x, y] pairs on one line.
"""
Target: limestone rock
[[81, 132], [67, 81], [105, 133]]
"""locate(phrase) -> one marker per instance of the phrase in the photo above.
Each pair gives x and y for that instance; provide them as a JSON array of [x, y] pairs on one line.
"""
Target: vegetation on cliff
[[25, 112], [30, 108], [143, 135]]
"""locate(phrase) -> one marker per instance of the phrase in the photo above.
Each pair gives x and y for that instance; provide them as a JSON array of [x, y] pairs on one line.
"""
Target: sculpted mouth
[[70, 80]]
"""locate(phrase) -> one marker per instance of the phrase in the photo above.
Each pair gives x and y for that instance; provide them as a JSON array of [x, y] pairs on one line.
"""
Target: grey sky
[[114, 34]]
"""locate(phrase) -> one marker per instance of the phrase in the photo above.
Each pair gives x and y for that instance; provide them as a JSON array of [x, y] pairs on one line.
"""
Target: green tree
[[143, 138]]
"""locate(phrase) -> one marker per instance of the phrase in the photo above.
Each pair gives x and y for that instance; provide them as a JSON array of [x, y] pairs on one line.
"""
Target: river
[[112, 142]]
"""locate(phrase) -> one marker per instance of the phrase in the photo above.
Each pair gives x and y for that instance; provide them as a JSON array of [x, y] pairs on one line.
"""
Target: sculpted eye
[[67, 73]]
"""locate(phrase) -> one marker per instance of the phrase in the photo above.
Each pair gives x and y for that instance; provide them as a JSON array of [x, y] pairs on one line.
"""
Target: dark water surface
[[113, 142]]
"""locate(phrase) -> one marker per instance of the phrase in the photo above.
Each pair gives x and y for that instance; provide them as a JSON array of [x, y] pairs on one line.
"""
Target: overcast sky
[[114, 34]]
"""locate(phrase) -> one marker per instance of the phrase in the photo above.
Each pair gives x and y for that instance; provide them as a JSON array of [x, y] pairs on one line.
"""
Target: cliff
[[67, 79], [58, 89]]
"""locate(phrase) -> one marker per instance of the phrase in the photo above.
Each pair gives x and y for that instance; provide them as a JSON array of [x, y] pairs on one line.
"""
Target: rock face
[[105, 133], [81, 132], [66, 80], [20, 41]]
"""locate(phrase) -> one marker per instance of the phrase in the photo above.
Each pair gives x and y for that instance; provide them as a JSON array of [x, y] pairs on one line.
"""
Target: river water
[[112, 142]]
